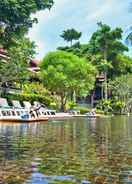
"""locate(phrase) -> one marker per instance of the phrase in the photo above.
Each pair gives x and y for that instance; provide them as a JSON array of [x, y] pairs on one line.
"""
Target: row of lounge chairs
[[24, 105]]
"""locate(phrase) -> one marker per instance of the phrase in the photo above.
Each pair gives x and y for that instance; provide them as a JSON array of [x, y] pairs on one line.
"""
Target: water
[[70, 151]]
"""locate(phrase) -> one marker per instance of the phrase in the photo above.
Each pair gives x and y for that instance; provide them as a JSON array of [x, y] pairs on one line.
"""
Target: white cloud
[[80, 14], [98, 11], [43, 18]]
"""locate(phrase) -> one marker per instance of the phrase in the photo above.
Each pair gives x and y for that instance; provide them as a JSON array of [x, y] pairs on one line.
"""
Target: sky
[[82, 15]]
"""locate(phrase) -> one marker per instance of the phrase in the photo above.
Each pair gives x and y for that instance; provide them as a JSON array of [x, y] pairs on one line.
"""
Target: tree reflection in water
[[96, 150]]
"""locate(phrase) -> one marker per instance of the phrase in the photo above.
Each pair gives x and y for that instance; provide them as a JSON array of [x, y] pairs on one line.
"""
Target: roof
[[33, 64]]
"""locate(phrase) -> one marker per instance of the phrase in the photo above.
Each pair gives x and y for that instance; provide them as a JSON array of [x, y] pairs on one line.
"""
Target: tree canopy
[[16, 19], [107, 42], [121, 88], [71, 34], [63, 73], [16, 67]]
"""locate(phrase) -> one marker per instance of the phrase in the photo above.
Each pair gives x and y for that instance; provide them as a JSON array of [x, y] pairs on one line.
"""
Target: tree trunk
[[74, 96], [105, 74], [63, 104], [105, 86]]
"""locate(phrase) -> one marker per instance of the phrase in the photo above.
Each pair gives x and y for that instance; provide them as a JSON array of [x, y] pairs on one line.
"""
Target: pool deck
[[58, 116], [67, 115]]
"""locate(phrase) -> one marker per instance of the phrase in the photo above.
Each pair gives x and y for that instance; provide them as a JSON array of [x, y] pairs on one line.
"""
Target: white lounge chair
[[16, 104]]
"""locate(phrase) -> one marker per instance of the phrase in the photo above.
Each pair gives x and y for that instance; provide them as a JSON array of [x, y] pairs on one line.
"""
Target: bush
[[71, 105], [82, 110], [105, 105], [118, 106], [54, 105], [98, 111], [29, 97], [110, 106]]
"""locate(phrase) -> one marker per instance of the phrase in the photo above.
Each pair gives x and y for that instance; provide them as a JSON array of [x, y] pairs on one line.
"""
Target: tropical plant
[[107, 43], [35, 88], [62, 73], [121, 89], [71, 34], [29, 97], [81, 50], [105, 105], [16, 19], [16, 68], [121, 65]]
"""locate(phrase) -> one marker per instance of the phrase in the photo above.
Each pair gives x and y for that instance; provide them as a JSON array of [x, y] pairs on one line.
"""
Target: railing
[[8, 90]]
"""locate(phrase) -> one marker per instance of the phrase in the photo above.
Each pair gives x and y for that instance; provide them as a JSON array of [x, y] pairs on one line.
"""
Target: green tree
[[121, 65], [35, 88], [63, 73], [16, 68], [71, 34], [107, 43], [16, 19], [78, 49], [121, 89]]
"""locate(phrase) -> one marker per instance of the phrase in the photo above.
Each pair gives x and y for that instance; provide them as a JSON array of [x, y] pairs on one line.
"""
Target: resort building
[[10, 86]]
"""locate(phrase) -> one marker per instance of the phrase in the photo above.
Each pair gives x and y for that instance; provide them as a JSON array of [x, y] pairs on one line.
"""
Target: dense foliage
[[107, 42], [69, 72], [71, 34], [63, 73], [121, 89], [16, 19], [16, 68], [32, 92], [105, 50]]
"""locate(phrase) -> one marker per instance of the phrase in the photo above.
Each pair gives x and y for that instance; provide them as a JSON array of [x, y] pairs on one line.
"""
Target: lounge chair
[[16, 104]]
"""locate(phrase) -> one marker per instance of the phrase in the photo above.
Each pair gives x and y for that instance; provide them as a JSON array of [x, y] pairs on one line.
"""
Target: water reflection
[[95, 150]]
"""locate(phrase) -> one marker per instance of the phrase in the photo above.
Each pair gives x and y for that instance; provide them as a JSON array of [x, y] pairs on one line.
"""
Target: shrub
[[98, 111], [54, 105], [105, 105], [82, 110], [71, 105], [29, 97], [118, 106]]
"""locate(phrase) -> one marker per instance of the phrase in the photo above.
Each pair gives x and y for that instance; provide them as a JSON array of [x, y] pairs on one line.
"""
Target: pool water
[[77, 150]]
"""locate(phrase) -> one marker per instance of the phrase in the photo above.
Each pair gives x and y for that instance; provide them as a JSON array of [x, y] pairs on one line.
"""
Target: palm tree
[[71, 34]]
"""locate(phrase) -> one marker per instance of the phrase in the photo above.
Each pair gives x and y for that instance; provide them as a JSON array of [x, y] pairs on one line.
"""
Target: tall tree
[[71, 34], [63, 73], [106, 42], [16, 19], [16, 68]]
